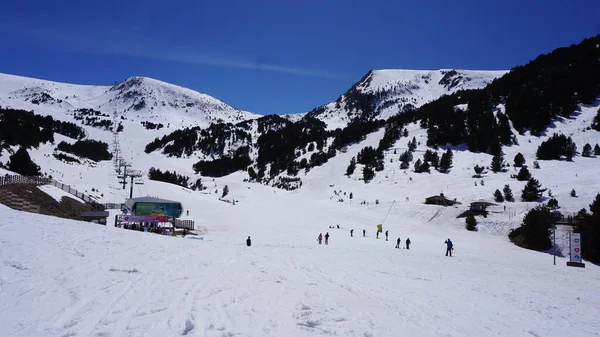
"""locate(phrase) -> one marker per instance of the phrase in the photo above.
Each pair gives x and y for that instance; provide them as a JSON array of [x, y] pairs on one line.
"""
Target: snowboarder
[[338, 226], [248, 242], [352, 233], [398, 243], [407, 243], [320, 238], [386, 235], [327, 238], [187, 212], [364, 233], [449, 247]]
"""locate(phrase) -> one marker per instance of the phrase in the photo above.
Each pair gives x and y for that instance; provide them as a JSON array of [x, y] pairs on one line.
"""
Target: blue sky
[[278, 56]]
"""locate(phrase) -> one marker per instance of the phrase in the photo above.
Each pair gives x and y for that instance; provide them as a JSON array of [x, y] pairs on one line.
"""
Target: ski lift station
[[150, 206]]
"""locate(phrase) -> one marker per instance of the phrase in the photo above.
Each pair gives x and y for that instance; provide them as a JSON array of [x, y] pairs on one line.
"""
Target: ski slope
[[66, 278]]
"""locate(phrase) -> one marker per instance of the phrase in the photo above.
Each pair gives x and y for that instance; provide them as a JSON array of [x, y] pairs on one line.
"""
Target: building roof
[[94, 214], [130, 202], [482, 202]]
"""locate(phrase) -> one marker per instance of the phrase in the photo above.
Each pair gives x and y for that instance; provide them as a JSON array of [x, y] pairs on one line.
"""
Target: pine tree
[[412, 145], [588, 224], [519, 160], [225, 191], [508, 195], [597, 150], [498, 196], [587, 150], [478, 169], [405, 132], [497, 164], [596, 122], [573, 193], [445, 162], [532, 191], [534, 233], [21, 163], [351, 167], [553, 204], [471, 223], [418, 164], [523, 174], [495, 147]]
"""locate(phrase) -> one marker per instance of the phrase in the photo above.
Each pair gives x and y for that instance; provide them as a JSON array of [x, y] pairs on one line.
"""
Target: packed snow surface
[[57, 194], [67, 278]]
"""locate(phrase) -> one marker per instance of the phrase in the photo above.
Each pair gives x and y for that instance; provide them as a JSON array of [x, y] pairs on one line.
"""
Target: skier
[[320, 238], [352, 233], [327, 238], [377, 234], [398, 243], [407, 243], [248, 242], [449, 247], [386, 235], [364, 233]]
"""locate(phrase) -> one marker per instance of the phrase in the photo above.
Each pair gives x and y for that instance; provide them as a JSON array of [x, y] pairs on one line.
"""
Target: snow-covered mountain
[[136, 98], [381, 94]]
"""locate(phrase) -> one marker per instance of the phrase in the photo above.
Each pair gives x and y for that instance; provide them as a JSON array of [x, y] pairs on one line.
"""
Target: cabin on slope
[[480, 206], [441, 200]]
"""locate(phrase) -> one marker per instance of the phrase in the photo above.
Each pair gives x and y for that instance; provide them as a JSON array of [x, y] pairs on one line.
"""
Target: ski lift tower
[[132, 174]]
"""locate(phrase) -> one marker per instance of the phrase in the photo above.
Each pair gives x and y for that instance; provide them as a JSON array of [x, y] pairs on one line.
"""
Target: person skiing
[[449, 247], [398, 243], [320, 238], [327, 238], [248, 242], [364, 233], [407, 243], [352, 233], [377, 234], [386, 235]]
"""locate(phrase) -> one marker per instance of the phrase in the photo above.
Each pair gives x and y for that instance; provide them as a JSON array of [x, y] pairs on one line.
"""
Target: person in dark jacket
[[320, 238], [398, 243], [327, 238], [248, 242], [449, 247], [407, 243], [351, 232], [386, 235], [364, 233]]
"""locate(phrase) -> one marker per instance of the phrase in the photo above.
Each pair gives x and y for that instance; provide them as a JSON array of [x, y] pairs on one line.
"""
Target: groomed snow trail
[[65, 278]]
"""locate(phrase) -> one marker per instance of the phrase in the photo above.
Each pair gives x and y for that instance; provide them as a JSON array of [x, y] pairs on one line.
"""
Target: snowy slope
[[104, 281], [390, 91], [136, 98]]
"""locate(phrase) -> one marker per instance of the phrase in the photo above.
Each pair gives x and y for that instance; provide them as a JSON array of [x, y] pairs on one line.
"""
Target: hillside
[[136, 99], [109, 281], [381, 94]]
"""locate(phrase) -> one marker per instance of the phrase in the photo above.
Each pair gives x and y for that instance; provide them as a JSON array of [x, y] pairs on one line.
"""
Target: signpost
[[575, 249]]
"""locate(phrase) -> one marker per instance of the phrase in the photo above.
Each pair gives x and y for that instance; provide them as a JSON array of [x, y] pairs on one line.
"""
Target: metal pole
[[130, 188], [554, 247]]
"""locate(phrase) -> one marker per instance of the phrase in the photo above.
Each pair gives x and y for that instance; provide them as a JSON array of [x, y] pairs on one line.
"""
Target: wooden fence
[[17, 179], [186, 224]]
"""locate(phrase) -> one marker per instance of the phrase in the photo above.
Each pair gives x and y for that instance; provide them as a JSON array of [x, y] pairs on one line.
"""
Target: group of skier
[[320, 238], [449, 244]]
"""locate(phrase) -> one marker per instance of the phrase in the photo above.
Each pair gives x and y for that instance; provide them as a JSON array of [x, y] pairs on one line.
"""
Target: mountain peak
[[382, 93]]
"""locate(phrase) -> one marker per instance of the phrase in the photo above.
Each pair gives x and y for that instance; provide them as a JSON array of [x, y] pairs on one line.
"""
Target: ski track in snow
[[137, 284]]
